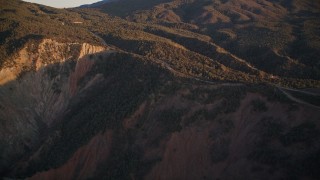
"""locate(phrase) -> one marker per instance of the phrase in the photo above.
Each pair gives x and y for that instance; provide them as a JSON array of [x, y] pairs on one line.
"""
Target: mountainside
[[278, 37], [160, 89]]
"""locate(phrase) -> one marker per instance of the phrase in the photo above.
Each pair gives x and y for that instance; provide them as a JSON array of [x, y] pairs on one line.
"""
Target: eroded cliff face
[[37, 88], [33, 57]]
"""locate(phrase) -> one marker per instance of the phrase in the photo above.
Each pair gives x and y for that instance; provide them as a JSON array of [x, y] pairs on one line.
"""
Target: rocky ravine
[[37, 88]]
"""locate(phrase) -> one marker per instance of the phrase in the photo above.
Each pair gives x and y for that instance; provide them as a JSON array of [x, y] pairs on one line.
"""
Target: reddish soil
[[184, 152], [83, 66], [84, 162]]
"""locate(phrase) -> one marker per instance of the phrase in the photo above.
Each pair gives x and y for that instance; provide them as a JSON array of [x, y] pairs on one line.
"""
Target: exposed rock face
[[89, 49], [48, 52], [37, 89]]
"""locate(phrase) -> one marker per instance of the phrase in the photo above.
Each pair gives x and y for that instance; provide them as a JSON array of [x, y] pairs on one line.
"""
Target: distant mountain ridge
[[96, 4]]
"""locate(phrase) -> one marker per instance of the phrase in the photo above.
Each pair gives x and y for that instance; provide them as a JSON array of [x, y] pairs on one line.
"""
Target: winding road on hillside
[[301, 91], [297, 100], [282, 89]]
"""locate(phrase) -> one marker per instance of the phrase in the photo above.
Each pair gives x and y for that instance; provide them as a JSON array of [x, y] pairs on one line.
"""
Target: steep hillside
[[160, 89], [278, 37], [194, 53]]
